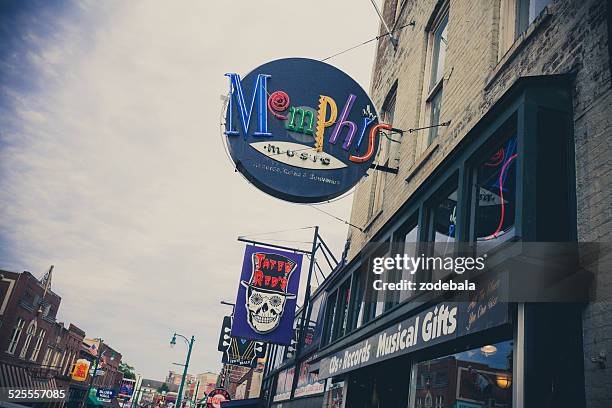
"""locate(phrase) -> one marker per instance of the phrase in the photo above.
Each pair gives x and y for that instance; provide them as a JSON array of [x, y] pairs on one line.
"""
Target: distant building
[[108, 374], [208, 382], [29, 332], [241, 382], [151, 390], [37, 351]]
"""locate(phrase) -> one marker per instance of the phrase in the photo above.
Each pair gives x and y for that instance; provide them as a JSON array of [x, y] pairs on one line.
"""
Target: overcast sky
[[112, 166]]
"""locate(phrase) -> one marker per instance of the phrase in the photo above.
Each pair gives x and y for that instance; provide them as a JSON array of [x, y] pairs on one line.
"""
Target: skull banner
[[265, 305]]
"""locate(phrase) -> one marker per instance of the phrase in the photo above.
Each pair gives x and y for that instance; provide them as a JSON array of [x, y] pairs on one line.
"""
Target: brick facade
[[568, 36]]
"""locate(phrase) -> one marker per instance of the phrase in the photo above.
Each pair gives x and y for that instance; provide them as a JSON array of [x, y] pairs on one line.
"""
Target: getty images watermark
[[403, 264]]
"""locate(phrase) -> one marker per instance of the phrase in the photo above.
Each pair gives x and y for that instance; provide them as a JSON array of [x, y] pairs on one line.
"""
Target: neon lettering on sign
[[304, 108], [237, 94]]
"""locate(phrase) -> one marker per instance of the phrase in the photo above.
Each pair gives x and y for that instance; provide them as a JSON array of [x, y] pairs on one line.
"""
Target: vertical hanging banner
[[301, 130], [239, 351], [266, 299]]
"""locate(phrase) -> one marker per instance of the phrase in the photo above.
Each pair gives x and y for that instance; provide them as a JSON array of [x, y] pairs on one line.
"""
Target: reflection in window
[[444, 232], [528, 11], [284, 384], [308, 382], [357, 301], [342, 305], [334, 394], [330, 317], [445, 218], [312, 328], [495, 206], [406, 244], [483, 378]]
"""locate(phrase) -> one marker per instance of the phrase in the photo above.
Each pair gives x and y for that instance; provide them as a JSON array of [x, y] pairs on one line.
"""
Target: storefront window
[[444, 219], [334, 394], [496, 204], [330, 317], [284, 384], [342, 304], [480, 377], [308, 383], [444, 222], [313, 327], [410, 247], [378, 298], [356, 305]]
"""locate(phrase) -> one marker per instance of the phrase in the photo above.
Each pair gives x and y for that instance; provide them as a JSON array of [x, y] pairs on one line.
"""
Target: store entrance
[[383, 385]]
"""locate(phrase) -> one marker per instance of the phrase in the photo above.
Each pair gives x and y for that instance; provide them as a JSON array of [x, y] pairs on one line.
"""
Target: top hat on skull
[[267, 290]]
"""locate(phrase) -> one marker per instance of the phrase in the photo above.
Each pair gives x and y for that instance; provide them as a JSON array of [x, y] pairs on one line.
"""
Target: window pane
[[313, 327], [439, 52], [330, 317], [535, 8], [308, 382], [436, 105], [444, 220], [284, 384], [444, 224], [479, 377], [410, 244], [342, 309], [496, 204], [527, 12]]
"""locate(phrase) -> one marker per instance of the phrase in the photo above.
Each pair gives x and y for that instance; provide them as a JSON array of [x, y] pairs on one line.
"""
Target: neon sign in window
[[496, 200]]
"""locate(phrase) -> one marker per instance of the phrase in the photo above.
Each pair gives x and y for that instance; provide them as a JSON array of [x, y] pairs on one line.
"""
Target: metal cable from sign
[[277, 232], [412, 23]]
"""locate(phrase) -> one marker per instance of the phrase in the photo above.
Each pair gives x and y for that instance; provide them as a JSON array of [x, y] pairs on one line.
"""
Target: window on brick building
[[407, 242], [37, 346], [15, 336], [47, 357], [30, 332], [527, 12], [438, 41], [515, 17], [337, 322]]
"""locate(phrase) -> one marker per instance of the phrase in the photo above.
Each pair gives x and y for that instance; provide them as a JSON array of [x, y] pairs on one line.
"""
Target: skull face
[[265, 310]]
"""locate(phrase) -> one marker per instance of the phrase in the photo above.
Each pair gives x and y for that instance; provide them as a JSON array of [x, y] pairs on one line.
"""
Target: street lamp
[[100, 354], [190, 346]]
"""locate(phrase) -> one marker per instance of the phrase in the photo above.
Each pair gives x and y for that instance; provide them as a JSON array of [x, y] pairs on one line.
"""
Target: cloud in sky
[[112, 166]]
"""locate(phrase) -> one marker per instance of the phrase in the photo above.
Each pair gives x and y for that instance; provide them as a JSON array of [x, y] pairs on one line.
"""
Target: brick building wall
[[568, 36], [27, 301]]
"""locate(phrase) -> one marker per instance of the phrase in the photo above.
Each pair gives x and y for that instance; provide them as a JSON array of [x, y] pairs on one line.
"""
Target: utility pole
[[93, 374]]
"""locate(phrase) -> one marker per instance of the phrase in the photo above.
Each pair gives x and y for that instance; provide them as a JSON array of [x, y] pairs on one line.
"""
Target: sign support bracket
[[250, 241]]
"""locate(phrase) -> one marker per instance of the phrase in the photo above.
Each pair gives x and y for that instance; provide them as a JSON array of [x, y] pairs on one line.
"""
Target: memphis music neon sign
[[300, 129]]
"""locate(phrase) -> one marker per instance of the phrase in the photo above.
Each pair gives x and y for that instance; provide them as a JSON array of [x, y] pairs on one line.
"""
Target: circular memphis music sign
[[301, 130]]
